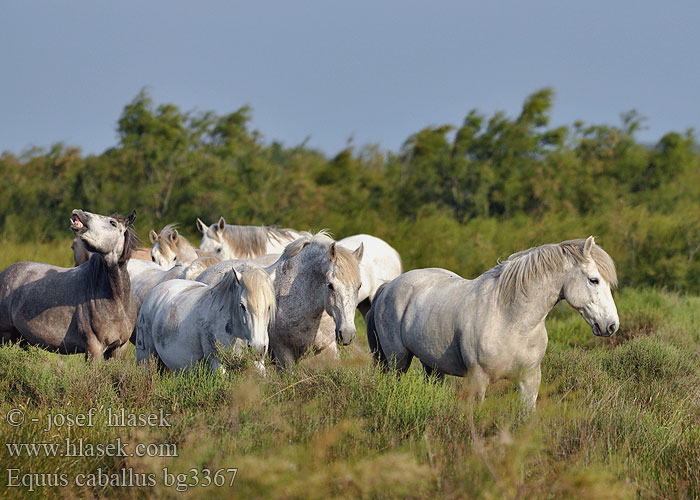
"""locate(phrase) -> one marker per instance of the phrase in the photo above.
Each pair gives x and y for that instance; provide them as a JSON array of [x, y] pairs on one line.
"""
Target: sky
[[333, 73]]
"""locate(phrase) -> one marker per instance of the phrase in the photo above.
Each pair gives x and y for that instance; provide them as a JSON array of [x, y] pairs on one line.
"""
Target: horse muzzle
[[345, 335], [78, 221], [605, 329]]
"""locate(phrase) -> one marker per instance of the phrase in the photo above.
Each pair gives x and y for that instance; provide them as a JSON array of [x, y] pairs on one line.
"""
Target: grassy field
[[616, 418]]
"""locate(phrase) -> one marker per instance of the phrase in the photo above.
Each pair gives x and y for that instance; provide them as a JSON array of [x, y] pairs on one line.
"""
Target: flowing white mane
[[515, 274]]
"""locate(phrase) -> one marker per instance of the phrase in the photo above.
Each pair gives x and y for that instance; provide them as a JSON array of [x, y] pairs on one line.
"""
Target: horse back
[[39, 302]]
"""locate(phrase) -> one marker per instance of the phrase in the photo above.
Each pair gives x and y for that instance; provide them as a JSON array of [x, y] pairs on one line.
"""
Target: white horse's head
[[162, 254], [213, 239], [256, 307], [104, 234], [588, 290], [170, 248], [343, 283]]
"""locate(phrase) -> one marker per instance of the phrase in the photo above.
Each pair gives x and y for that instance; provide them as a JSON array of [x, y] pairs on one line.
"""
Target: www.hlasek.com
[[79, 447]]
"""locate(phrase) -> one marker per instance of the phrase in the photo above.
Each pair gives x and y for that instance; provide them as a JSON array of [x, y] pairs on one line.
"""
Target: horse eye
[[330, 286], [243, 306], [113, 222], [593, 281], [218, 250]]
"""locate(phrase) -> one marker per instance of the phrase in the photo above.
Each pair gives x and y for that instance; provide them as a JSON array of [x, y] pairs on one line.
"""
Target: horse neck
[[297, 289], [186, 253], [532, 308], [110, 271]]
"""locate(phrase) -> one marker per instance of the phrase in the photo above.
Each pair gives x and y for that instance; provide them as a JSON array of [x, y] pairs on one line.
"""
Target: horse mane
[[224, 290], [251, 241], [164, 238], [346, 268], [131, 239], [522, 268], [260, 288]]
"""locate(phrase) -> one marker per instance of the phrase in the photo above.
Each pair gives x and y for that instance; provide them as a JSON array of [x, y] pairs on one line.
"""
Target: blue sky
[[375, 71]]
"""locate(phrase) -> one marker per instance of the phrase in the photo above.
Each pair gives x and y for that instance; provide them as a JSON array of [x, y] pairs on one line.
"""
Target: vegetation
[[616, 418], [459, 198]]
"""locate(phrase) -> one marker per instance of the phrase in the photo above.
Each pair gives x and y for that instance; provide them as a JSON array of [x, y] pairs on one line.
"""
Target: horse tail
[[372, 337]]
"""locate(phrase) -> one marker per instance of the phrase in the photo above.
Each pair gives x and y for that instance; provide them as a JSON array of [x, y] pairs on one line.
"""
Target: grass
[[616, 418]]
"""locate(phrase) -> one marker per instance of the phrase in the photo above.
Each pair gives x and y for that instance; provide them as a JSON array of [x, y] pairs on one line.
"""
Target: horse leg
[[216, 365], [282, 356], [431, 371], [94, 350], [400, 361], [330, 351], [118, 352], [529, 386], [364, 307]]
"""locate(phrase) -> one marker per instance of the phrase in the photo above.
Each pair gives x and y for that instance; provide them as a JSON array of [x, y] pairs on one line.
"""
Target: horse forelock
[[292, 249], [165, 239], [521, 269], [347, 268], [259, 289], [600, 257]]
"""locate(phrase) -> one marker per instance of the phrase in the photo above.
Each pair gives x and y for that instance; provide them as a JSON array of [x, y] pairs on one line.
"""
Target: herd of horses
[[286, 293]]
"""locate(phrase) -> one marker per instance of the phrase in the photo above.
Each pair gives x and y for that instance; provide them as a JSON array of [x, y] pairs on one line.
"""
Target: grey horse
[[316, 284], [86, 309]]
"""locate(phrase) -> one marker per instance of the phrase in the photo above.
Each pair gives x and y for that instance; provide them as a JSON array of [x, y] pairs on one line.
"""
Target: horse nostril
[[612, 328]]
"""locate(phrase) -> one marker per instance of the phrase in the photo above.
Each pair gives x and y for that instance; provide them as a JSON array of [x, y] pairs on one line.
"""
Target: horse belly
[[438, 348], [433, 337], [52, 328]]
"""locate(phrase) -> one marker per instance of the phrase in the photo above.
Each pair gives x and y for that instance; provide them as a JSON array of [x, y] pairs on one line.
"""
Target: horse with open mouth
[[86, 309]]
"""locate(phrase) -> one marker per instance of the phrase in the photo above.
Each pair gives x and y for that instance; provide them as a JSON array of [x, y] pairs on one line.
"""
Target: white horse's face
[[589, 293], [341, 298], [162, 256], [100, 233], [254, 317], [163, 252], [213, 239]]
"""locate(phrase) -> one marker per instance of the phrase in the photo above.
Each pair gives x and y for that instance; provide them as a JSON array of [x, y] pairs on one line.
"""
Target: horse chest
[[108, 321]]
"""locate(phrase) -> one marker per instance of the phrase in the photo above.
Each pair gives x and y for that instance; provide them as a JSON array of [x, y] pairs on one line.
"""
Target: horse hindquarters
[[399, 358], [143, 343]]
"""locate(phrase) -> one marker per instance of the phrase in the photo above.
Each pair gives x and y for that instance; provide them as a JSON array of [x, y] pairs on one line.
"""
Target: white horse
[[243, 242], [145, 275], [182, 322], [380, 264], [170, 248], [316, 283], [492, 327], [214, 272]]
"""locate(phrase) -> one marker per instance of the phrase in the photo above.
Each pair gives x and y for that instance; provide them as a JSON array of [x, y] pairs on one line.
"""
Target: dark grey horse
[[86, 309]]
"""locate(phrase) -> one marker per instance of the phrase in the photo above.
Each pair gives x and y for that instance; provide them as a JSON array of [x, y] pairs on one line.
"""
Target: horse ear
[[173, 236], [221, 225], [236, 275], [153, 236], [587, 246], [332, 252], [201, 226], [359, 252], [130, 218]]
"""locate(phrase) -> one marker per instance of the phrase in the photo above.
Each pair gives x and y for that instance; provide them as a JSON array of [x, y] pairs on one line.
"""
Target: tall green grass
[[616, 418]]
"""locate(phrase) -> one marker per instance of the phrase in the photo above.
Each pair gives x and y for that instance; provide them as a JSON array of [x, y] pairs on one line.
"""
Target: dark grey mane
[[131, 239]]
